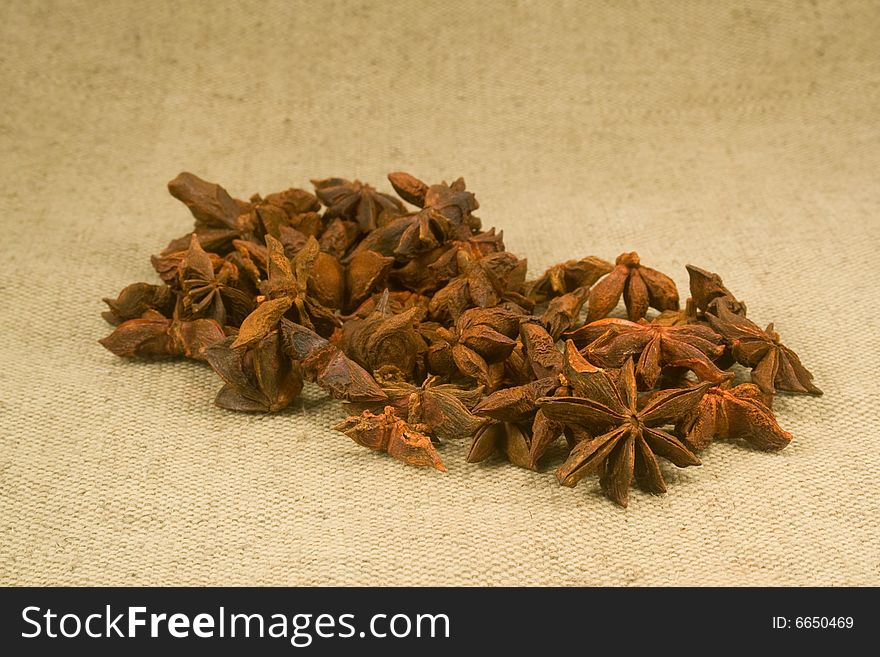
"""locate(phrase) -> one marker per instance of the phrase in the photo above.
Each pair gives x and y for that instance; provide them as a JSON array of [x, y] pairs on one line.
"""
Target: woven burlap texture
[[742, 137]]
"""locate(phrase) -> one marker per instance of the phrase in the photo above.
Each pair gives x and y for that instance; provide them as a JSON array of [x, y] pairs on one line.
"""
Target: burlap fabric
[[740, 136]]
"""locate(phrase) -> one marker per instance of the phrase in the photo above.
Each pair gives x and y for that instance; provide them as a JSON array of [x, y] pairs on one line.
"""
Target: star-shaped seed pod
[[567, 276], [326, 281], [509, 438], [482, 283], [681, 317], [430, 270], [641, 287], [540, 348], [386, 339], [250, 259], [356, 201], [427, 271], [169, 265], [707, 288], [610, 342], [339, 237], [628, 438], [407, 236], [733, 413], [398, 302], [326, 274], [518, 407], [481, 244], [219, 217], [388, 433], [453, 201], [136, 299], [208, 295], [300, 210], [325, 364], [366, 272], [286, 294], [155, 337], [562, 312], [774, 366], [259, 378], [440, 410], [481, 337], [517, 368]]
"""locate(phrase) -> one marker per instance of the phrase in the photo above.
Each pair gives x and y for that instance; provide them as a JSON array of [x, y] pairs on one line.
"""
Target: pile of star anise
[[430, 330]]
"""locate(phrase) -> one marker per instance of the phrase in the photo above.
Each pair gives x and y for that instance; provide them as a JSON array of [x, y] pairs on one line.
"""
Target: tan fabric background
[[740, 136]]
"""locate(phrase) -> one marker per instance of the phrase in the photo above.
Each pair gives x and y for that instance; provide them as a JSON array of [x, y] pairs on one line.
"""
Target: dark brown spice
[[738, 412], [610, 342], [427, 327], [388, 433], [627, 429], [774, 366], [641, 287]]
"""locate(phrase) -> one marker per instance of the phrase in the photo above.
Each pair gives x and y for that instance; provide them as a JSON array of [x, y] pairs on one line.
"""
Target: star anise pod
[[258, 378], [299, 207], [407, 236], [250, 259], [430, 270], [681, 317], [440, 410], [356, 201], [453, 201], [733, 412], [482, 243], [386, 339], [628, 438], [540, 348], [517, 368], [136, 299], [398, 302], [326, 275], [339, 237], [170, 265], [707, 288], [641, 287], [286, 295], [325, 364], [206, 293], [562, 312], [610, 342], [509, 438], [518, 407], [365, 273], [219, 217], [326, 280], [774, 366], [422, 274], [567, 276], [388, 433], [155, 337], [480, 338], [482, 283]]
